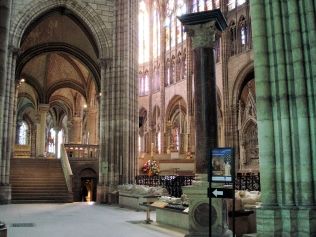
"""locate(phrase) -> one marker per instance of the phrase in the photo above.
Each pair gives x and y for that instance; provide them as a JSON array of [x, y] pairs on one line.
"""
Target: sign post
[[222, 172]]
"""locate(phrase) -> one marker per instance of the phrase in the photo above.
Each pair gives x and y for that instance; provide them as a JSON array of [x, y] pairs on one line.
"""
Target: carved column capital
[[203, 35]]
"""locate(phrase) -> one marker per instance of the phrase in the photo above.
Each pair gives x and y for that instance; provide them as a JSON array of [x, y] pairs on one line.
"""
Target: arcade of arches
[[108, 85]]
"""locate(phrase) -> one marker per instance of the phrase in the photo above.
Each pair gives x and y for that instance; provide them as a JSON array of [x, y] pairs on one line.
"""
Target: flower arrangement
[[151, 168]]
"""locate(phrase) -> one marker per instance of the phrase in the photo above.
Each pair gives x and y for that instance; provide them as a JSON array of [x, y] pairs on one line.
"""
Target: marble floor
[[79, 220]]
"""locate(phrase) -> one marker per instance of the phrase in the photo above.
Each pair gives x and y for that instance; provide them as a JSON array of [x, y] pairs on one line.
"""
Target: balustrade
[[82, 151]]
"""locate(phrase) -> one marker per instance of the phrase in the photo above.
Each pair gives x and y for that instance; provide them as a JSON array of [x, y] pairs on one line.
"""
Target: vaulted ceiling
[[58, 61]]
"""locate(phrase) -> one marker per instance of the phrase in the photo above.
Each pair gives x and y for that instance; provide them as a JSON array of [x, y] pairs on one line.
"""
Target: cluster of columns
[[5, 93], [118, 105], [284, 40]]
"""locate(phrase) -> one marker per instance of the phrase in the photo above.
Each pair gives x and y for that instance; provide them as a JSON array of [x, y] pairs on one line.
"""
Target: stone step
[[41, 201], [30, 195], [38, 181], [36, 178]]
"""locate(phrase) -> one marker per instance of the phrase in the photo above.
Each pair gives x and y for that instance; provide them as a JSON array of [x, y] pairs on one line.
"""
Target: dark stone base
[[5, 194], [102, 194]]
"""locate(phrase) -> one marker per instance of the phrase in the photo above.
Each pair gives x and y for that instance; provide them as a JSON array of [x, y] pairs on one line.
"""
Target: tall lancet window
[[170, 25], [156, 31], [181, 9], [23, 133], [51, 140], [143, 33]]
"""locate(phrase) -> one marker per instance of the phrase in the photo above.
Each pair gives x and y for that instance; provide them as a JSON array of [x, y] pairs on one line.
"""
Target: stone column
[[69, 131], [202, 27], [163, 142], [151, 86], [41, 130], [102, 189], [92, 126], [76, 132], [57, 130], [5, 188]]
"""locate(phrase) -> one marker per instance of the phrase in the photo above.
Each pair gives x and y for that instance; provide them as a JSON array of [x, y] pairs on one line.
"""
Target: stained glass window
[[195, 6], [51, 140], [232, 4], [181, 9], [60, 141], [209, 5], [156, 31], [143, 33], [23, 133]]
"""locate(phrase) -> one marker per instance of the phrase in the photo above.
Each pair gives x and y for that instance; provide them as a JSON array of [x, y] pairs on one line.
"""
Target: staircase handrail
[[66, 168]]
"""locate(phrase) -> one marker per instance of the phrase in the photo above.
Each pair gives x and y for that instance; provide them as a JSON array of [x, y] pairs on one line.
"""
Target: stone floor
[[79, 220]]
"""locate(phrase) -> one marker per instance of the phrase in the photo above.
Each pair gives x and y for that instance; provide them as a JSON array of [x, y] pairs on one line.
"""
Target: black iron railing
[[247, 181], [172, 183]]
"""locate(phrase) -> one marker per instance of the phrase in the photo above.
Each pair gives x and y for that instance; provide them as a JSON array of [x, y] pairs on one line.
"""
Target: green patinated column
[[284, 41], [264, 106]]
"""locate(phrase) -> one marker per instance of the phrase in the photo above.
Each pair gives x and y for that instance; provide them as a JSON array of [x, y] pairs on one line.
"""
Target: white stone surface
[[80, 220]]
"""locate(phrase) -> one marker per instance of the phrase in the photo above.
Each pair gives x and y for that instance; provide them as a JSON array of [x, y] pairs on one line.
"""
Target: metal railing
[[172, 183], [247, 181]]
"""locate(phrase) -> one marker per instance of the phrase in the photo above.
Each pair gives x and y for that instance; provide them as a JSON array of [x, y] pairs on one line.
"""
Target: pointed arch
[[243, 76], [83, 12]]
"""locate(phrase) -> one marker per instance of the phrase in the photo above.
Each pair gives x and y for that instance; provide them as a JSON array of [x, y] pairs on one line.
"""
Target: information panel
[[222, 165]]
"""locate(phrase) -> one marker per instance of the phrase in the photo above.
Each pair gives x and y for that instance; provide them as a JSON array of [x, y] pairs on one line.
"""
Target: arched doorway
[[88, 185]]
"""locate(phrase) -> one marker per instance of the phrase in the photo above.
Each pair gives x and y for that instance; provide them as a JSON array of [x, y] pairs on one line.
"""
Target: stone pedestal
[[199, 222], [199, 209], [101, 194], [5, 194]]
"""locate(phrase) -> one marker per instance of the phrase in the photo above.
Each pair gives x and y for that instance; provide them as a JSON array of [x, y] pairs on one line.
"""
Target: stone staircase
[[38, 181]]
